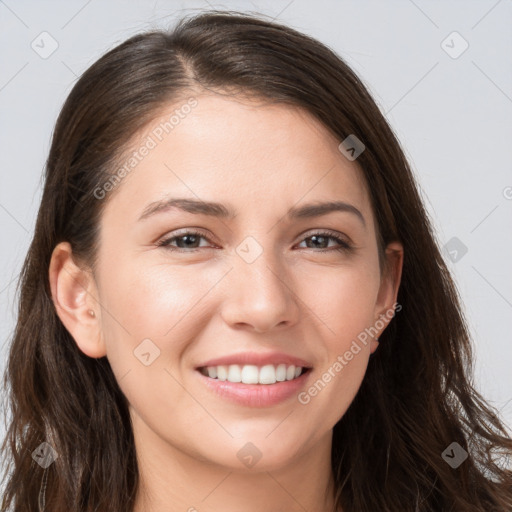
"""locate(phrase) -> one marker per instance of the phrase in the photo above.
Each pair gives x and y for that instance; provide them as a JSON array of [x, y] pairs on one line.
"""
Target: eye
[[188, 240], [324, 236]]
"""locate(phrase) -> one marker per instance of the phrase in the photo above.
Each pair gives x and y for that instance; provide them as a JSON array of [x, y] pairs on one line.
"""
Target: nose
[[260, 295]]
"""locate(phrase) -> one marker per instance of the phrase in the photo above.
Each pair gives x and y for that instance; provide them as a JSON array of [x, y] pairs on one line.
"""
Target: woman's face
[[266, 281]]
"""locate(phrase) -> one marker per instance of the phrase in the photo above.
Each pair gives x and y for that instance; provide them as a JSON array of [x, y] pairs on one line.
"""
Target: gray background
[[451, 112]]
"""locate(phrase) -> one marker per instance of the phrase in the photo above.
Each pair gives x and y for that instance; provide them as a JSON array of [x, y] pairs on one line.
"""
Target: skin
[[261, 160]]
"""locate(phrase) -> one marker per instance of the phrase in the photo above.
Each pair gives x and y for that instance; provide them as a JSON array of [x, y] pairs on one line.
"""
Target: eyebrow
[[221, 211]]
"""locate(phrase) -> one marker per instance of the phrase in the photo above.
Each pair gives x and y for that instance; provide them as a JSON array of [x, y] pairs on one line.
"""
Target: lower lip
[[256, 395]]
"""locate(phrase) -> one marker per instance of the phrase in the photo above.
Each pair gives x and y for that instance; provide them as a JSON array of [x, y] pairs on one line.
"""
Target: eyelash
[[345, 246]]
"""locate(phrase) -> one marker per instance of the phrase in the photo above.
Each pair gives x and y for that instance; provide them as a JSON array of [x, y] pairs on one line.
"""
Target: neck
[[172, 480]]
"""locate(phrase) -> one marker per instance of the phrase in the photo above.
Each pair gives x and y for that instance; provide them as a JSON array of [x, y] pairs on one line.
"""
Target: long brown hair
[[417, 397]]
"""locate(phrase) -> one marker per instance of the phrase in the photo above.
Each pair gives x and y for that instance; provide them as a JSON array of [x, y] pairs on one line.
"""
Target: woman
[[309, 353]]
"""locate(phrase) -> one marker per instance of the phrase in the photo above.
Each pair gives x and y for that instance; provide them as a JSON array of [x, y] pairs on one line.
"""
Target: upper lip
[[257, 359]]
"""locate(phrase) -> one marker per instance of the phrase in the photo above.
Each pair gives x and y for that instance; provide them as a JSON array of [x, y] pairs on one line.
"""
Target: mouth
[[255, 386], [252, 374]]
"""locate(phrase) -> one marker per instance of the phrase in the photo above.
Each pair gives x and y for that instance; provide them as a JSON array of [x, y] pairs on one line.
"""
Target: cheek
[[343, 300], [329, 395], [150, 300], [150, 315], [343, 304], [161, 303]]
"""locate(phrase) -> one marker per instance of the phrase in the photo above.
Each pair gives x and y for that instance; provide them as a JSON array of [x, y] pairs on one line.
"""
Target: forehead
[[246, 153]]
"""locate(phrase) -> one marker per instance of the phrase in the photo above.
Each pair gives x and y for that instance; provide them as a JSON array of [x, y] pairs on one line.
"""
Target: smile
[[252, 374], [266, 392]]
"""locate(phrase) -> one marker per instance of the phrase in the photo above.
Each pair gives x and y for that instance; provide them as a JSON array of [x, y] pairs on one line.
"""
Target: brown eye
[[321, 239], [186, 242]]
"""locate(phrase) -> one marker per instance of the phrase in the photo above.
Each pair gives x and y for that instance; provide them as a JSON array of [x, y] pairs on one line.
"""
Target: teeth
[[281, 372], [267, 374], [222, 372], [251, 374], [234, 373]]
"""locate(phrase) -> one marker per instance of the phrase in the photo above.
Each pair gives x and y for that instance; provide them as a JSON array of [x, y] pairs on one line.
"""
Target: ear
[[388, 290], [74, 294]]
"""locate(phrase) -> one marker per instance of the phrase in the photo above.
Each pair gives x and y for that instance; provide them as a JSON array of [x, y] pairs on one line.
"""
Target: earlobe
[[74, 296]]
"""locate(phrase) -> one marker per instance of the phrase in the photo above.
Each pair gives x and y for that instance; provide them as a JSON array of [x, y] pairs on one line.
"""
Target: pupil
[[316, 238], [188, 237]]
